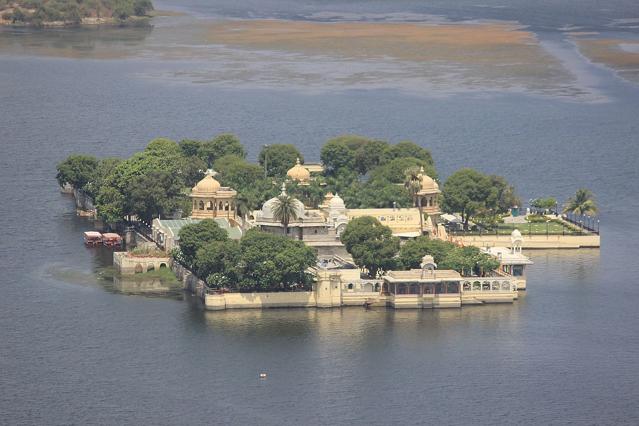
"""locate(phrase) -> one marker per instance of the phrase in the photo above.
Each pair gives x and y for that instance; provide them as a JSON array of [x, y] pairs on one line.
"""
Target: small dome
[[299, 172], [428, 183], [208, 184], [336, 202]]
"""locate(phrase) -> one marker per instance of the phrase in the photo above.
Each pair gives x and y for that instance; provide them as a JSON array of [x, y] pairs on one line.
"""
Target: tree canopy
[[77, 170], [258, 262], [473, 194], [371, 244], [279, 158], [465, 260], [194, 236], [40, 12], [582, 203]]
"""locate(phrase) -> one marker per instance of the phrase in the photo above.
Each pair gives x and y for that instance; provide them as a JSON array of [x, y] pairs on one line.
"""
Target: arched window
[[209, 205], [201, 205], [221, 208], [350, 286], [226, 207], [139, 269], [376, 286], [150, 268], [162, 265], [466, 285], [476, 286]]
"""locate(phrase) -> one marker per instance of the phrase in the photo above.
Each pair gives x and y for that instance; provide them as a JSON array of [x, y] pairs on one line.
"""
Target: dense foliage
[[258, 262], [478, 196], [277, 159], [582, 203], [371, 245], [465, 260], [40, 12], [370, 173]]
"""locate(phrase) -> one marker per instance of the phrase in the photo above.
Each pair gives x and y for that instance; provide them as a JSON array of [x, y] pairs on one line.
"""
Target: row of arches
[[488, 286], [149, 267], [213, 205]]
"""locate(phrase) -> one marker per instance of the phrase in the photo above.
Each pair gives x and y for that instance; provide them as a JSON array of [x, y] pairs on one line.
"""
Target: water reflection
[[85, 42]]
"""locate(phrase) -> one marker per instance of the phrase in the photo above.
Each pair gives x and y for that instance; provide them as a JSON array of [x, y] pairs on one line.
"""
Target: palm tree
[[285, 209], [413, 183], [583, 203]]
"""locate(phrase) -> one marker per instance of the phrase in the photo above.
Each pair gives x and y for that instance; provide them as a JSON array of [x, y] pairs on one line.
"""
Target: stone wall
[[533, 241], [124, 263]]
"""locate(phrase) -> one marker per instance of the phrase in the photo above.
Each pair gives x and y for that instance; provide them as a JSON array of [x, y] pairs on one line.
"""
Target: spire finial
[[210, 172], [297, 161], [283, 189]]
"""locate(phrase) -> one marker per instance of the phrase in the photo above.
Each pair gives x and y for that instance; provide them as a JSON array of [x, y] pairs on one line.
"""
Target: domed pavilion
[[211, 200], [299, 173]]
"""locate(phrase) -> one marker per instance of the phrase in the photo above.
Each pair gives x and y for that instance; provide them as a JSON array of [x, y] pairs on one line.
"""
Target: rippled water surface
[[75, 349]]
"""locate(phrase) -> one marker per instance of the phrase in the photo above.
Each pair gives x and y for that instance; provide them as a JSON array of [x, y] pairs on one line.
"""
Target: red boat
[[92, 238], [111, 239]]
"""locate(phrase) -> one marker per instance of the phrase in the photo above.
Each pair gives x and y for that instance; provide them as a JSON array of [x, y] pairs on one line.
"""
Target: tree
[[286, 209], [408, 149], [413, 184], [77, 170], [582, 203], [371, 244], [395, 170], [237, 173], [221, 145], [154, 194], [141, 7], [370, 155], [336, 155], [412, 252], [502, 196], [197, 235], [273, 262], [277, 159], [190, 147], [465, 192], [123, 9], [215, 261], [544, 204]]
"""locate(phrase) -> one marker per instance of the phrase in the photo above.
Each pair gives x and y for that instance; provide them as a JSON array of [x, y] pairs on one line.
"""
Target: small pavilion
[[212, 200], [299, 173], [428, 198]]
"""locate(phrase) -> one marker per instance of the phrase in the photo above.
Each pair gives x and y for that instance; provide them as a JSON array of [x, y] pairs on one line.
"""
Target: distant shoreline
[[14, 15]]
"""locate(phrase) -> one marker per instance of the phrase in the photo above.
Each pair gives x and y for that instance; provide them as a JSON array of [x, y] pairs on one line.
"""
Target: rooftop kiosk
[[211, 200], [512, 262]]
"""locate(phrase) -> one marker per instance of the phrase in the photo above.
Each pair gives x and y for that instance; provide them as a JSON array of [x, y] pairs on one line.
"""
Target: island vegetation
[[367, 173], [376, 251], [72, 12], [259, 261]]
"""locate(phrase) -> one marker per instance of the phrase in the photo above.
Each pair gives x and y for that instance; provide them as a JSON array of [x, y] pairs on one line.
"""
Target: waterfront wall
[[533, 241], [297, 299], [126, 264]]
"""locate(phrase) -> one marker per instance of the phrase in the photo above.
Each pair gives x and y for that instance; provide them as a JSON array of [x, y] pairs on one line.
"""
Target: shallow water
[[76, 350]]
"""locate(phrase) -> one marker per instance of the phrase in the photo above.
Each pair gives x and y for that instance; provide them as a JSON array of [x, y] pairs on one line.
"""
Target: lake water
[[75, 351]]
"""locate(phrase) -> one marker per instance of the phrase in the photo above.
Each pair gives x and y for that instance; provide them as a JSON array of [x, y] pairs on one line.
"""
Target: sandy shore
[[621, 55]]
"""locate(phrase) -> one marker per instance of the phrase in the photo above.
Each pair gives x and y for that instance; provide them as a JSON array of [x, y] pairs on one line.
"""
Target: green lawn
[[553, 228]]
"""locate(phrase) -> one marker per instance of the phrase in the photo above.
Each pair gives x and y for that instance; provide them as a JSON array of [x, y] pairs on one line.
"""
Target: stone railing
[[502, 284]]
